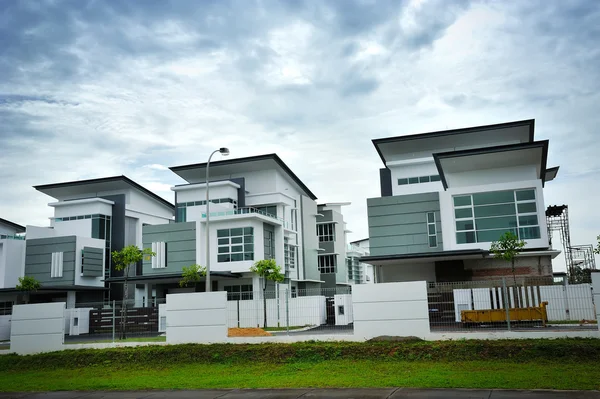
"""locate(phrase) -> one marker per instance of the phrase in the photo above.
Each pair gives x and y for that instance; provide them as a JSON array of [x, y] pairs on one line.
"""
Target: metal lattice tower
[[582, 256]]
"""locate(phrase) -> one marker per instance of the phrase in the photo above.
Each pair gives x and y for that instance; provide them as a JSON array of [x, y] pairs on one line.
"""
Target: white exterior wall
[[196, 317], [7, 230], [37, 328], [34, 232], [82, 207], [424, 271], [81, 228], [395, 309], [12, 262], [414, 169], [492, 176], [343, 309], [448, 220], [197, 192], [138, 202], [79, 244]]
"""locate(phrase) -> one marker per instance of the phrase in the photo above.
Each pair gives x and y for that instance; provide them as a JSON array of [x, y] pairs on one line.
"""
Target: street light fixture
[[224, 151]]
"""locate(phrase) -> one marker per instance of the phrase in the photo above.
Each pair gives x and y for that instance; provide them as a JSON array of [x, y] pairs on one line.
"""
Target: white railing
[[247, 211]]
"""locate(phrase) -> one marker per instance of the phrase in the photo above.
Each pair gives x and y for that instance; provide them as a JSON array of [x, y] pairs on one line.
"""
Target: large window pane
[[496, 223], [424, 179], [462, 225], [430, 217], [463, 213], [528, 233], [223, 233], [96, 228], [402, 182], [493, 197], [223, 258], [492, 235], [237, 240], [525, 195], [237, 232], [465, 237], [495, 210], [435, 178], [462, 201], [527, 207], [529, 220], [413, 180]]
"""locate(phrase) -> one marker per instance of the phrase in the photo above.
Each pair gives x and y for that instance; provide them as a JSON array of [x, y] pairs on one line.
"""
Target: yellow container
[[499, 315]]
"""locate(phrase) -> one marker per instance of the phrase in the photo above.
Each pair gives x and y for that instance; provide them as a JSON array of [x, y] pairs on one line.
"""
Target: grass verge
[[136, 339], [511, 364]]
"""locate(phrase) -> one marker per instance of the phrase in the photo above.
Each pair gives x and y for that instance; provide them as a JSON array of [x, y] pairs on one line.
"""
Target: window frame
[[327, 267], [429, 234], [326, 232], [518, 229], [247, 242]]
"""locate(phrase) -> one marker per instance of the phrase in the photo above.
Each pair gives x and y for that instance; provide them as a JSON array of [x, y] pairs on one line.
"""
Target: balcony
[[248, 211]]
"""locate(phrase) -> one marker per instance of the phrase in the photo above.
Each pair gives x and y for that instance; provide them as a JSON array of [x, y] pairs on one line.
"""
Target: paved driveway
[[395, 393]]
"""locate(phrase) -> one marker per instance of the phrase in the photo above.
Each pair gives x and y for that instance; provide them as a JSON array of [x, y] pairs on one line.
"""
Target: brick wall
[[489, 268]]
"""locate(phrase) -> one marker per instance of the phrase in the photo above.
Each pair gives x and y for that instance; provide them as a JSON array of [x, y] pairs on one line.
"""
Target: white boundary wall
[[37, 328], [596, 288], [396, 309], [197, 317], [5, 327]]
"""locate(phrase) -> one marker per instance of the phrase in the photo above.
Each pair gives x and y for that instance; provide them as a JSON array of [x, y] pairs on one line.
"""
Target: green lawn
[[516, 364], [335, 373]]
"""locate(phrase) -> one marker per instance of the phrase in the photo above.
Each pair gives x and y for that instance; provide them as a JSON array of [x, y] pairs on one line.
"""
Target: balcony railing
[[11, 237], [247, 211]]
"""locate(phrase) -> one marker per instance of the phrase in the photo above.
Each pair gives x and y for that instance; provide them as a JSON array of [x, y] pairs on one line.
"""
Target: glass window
[[435, 178], [432, 241], [496, 223], [529, 220], [527, 207], [466, 237], [492, 235], [424, 179], [431, 229], [495, 210], [529, 233], [462, 200], [463, 213], [494, 197], [402, 182], [327, 264], [462, 225], [326, 232], [430, 217], [234, 246], [525, 195], [413, 180]]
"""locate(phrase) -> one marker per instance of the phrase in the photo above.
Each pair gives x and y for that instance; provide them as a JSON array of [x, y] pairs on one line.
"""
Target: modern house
[[72, 257], [447, 195], [259, 209], [12, 259], [358, 271]]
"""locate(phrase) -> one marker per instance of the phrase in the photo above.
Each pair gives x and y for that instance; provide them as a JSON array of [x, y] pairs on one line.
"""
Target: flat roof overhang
[[47, 290], [551, 173], [412, 146], [196, 173], [404, 259], [167, 278], [535, 153], [93, 186], [18, 228]]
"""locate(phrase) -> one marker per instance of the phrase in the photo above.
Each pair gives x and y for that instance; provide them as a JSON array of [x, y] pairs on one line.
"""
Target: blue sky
[[98, 88]]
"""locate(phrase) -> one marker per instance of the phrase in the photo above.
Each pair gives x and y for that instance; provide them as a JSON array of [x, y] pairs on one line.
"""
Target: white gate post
[[596, 293]]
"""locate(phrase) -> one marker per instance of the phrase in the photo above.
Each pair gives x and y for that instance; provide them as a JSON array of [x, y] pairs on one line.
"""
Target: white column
[[71, 299], [596, 288]]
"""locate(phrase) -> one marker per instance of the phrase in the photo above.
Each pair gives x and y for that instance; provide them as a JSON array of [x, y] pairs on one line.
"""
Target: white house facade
[[446, 196]]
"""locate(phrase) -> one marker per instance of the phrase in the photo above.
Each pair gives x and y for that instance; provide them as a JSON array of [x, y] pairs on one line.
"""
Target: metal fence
[[111, 321], [290, 312], [503, 305]]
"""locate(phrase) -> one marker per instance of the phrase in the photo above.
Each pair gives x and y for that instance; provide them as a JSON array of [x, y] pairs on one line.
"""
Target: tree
[[123, 260], [508, 247], [27, 285], [191, 275], [269, 271], [597, 249]]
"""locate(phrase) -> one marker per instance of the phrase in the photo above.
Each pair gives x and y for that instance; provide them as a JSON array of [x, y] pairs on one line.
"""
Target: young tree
[[123, 260], [191, 275], [269, 271], [27, 285], [508, 247]]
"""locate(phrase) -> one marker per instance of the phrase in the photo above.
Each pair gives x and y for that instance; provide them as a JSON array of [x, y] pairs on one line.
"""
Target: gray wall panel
[[181, 246], [38, 260], [398, 224]]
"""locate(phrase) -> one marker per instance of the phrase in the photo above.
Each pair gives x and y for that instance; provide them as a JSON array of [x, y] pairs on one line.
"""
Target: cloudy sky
[[106, 87]]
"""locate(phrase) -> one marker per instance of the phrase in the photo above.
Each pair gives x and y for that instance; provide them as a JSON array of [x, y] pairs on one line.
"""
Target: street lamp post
[[224, 151]]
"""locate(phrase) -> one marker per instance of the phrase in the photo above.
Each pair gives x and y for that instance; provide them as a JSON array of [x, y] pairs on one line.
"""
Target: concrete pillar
[[596, 293], [71, 296], [148, 295]]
